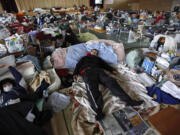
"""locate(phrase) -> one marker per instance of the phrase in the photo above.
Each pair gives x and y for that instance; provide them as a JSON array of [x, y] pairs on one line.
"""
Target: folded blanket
[[75, 53], [59, 57]]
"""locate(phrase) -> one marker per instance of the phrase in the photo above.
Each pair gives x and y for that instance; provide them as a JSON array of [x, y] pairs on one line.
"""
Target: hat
[[7, 80]]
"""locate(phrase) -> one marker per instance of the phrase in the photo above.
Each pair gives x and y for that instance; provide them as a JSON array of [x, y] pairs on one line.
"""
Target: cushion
[[7, 60], [27, 70], [59, 57]]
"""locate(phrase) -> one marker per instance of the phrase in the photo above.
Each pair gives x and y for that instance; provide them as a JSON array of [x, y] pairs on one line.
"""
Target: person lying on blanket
[[13, 91], [91, 68], [18, 109]]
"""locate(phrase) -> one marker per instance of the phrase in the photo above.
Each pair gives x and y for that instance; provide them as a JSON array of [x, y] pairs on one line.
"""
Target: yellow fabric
[[36, 82]]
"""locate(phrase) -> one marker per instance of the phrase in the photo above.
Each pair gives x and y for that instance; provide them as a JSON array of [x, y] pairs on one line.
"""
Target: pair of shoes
[[100, 116]]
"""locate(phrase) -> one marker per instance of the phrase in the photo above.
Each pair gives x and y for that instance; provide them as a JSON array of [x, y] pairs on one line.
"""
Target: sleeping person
[[18, 111], [91, 68]]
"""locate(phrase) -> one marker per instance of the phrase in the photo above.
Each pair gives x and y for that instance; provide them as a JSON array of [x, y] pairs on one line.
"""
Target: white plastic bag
[[132, 37], [14, 44], [3, 50], [134, 58], [169, 45], [4, 33], [177, 38], [47, 63]]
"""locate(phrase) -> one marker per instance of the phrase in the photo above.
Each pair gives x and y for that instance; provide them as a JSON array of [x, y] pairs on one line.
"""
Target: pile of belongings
[[32, 100], [158, 69]]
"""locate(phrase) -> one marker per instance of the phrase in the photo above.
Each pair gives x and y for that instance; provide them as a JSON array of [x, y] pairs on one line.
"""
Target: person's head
[[94, 52], [6, 85]]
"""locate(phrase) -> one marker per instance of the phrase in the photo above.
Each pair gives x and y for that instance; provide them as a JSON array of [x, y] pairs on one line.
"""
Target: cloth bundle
[[36, 82]]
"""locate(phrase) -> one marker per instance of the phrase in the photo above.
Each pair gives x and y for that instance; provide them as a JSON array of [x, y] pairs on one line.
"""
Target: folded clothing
[[30, 58], [161, 96], [171, 88], [163, 63]]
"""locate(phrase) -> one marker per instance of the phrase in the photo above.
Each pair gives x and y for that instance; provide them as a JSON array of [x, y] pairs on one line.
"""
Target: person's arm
[[105, 65], [38, 94], [18, 77], [76, 70]]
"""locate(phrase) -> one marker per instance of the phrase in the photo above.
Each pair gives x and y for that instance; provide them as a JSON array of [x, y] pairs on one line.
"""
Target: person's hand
[[4, 65], [114, 72], [75, 77]]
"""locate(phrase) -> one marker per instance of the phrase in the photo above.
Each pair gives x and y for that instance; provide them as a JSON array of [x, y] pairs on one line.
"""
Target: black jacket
[[91, 61]]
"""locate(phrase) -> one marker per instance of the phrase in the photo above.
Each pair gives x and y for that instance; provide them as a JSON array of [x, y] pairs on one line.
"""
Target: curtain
[[9, 5]]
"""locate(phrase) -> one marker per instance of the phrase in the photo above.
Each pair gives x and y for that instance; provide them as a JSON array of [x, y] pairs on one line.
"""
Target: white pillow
[[27, 70], [55, 81], [7, 60]]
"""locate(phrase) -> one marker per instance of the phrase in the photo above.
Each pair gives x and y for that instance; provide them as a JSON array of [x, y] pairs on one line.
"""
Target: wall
[[118, 4], [1, 8], [156, 4], [31, 4], [141, 4], [124, 4]]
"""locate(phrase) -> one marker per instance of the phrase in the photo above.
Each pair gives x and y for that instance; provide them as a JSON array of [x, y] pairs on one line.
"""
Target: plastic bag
[[4, 33], [134, 58], [3, 50], [14, 44], [47, 63], [58, 101], [132, 37], [177, 38]]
